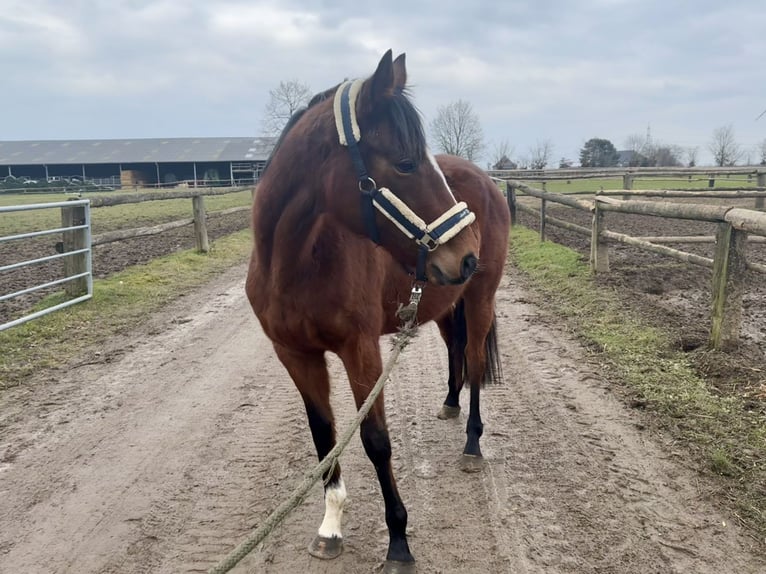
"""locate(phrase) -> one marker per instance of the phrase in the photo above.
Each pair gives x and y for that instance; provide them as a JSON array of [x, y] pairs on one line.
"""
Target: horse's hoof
[[448, 412], [398, 567], [471, 463], [326, 548]]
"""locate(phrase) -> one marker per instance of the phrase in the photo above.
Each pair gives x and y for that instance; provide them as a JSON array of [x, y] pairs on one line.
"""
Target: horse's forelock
[[407, 126]]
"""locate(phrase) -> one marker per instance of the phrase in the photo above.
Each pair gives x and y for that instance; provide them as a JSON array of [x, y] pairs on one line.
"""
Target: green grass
[[729, 440], [119, 302], [109, 218]]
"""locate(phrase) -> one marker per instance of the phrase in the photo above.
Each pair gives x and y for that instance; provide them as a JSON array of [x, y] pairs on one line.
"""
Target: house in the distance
[[504, 163]]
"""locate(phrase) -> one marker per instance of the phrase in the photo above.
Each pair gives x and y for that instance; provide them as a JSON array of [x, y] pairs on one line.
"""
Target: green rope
[[299, 494]]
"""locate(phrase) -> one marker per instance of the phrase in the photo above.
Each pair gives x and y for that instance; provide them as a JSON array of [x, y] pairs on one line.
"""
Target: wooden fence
[[72, 239], [729, 263]]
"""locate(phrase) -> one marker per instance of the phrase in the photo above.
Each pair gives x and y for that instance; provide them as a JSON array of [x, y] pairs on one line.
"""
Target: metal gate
[[76, 254]]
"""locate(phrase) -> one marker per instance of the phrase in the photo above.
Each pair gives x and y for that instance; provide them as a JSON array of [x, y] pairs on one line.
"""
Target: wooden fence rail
[[746, 172], [198, 220], [729, 264]]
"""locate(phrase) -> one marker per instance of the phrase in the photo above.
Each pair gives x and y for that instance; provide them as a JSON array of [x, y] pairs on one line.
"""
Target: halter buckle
[[429, 242]]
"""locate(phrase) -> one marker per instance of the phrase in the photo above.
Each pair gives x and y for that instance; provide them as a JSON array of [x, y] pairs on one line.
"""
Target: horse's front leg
[[363, 365], [309, 373]]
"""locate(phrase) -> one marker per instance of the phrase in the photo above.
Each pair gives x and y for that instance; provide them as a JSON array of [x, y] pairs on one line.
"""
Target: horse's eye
[[406, 166]]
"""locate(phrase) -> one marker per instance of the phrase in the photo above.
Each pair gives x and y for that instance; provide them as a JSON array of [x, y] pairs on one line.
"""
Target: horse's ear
[[400, 73], [382, 81]]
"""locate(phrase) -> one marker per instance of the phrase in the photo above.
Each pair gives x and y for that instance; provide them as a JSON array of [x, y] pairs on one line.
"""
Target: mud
[[160, 451]]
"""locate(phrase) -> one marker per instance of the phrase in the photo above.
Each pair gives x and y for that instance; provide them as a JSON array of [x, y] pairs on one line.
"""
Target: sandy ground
[[159, 451]]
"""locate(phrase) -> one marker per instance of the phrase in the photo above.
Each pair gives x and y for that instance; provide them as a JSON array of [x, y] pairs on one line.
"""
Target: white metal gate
[[77, 234]]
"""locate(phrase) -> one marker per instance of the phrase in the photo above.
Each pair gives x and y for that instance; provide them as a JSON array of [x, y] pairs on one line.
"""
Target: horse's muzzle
[[468, 267]]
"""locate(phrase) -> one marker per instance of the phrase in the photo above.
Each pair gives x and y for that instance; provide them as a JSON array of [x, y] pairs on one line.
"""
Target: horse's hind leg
[[479, 324], [309, 373], [455, 360], [361, 357]]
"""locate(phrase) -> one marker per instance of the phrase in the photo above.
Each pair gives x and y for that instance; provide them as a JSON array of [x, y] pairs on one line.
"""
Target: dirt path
[[161, 452]]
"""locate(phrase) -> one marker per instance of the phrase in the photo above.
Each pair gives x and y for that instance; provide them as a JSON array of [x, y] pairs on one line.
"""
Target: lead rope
[[408, 315]]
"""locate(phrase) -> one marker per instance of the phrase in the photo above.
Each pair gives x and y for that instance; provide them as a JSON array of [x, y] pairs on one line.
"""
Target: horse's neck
[[285, 227]]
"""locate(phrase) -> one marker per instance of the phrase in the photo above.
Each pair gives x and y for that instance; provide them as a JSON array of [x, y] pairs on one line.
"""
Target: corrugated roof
[[163, 150]]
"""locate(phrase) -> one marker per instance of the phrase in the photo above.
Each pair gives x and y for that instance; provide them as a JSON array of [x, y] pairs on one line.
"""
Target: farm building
[[138, 162]]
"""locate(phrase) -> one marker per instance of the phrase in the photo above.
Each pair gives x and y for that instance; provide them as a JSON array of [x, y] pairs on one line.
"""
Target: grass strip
[[119, 302]]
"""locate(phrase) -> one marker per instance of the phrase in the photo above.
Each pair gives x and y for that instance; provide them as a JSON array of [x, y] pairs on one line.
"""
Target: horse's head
[[364, 146], [386, 183]]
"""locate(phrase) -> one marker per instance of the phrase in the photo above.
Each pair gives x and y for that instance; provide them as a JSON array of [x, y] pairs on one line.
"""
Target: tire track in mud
[[130, 464], [586, 490], [165, 455]]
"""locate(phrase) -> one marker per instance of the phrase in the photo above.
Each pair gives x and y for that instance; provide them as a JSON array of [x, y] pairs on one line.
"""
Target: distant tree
[[457, 130], [598, 152], [691, 156], [724, 147], [649, 153], [640, 145], [540, 154], [762, 152], [662, 155], [284, 101], [565, 163]]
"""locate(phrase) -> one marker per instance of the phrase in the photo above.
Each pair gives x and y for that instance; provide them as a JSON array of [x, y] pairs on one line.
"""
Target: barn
[[121, 163]]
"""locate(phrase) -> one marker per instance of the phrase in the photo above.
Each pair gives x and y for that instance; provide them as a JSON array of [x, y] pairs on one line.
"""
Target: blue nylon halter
[[427, 240]]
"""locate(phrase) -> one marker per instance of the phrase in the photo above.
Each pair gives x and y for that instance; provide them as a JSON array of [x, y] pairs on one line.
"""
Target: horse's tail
[[493, 371]]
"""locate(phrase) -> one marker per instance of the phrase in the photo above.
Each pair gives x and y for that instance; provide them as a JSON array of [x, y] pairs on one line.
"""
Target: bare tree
[[540, 154], [762, 152], [640, 145], [726, 151], [650, 153], [284, 101], [691, 156], [663, 155], [457, 130]]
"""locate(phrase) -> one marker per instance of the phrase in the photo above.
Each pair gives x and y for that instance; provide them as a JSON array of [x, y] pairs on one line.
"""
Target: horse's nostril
[[470, 262]]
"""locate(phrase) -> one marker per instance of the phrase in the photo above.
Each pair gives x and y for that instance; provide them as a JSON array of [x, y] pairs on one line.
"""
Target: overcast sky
[[544, 69]]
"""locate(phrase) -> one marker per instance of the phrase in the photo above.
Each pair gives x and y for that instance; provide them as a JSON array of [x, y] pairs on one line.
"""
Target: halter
[[427, 236]]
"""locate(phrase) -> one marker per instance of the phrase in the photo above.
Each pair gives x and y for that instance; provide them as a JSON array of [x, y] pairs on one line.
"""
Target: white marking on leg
[[334, 499]]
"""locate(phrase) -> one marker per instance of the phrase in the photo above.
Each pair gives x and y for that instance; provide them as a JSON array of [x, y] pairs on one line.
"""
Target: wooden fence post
[[510, 196], [73, 241], [200, 225], [728, 285], [543, 204], [760, 182], [599, 249], [627, 183]]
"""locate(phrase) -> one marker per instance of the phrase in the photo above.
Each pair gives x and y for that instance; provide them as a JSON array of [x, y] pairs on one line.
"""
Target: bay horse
[[340, 237]]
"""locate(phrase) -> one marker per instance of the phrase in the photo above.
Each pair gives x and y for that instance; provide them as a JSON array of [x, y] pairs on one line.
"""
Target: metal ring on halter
[[365, 182], [428, 242]]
